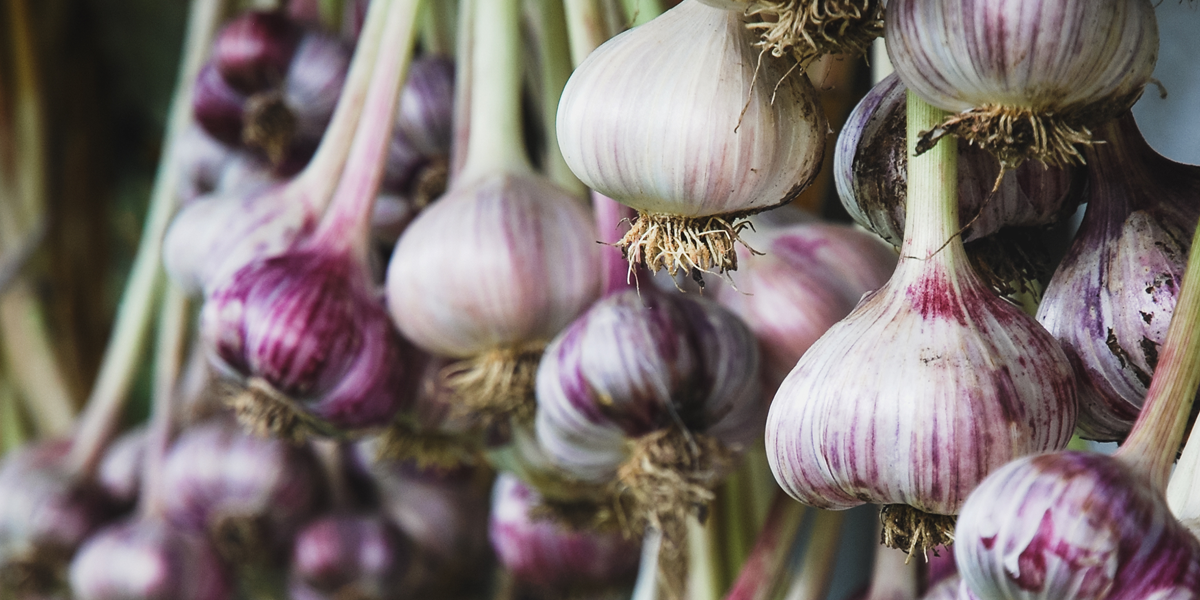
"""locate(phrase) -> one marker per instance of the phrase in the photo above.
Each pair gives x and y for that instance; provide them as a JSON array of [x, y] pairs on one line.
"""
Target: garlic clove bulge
[[693, 140]]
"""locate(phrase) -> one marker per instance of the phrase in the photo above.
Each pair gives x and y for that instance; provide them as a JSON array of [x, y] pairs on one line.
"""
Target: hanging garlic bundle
[[870, 168], [812, 275], [1025, 78], [929, 385], [695, 140], [505, 259], [807, 29], [1110, 301]]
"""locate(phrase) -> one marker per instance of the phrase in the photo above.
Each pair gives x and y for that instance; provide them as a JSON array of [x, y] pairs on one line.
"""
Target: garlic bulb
[[351, 556], [808, 29], [1006, 70], [1112, 296], [147, 559], [1073, 526], [870, 169], [811, 276], [252, 51], [931, 383], [693, 140]]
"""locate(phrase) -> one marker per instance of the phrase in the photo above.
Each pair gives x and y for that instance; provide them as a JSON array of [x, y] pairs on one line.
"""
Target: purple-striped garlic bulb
[[931, 383], [696, 140], [809, 277], [120, 469], [249, 494], [418, 157], [654, 394], [149, 559], [505, 259], [46, 512], [549, 555], [351, 556], [1002, 69], [252, 52], [809, 29], [1112, 296], [871, 170]]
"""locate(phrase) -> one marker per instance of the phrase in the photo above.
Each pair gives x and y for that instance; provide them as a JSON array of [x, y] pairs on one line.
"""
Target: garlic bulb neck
[[931, 225]]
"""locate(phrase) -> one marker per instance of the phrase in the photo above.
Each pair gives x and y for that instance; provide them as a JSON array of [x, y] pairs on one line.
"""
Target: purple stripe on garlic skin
[[870, 171], [1113, 294], [809, 277], [549, 555], [500, 261], [1073, 526], [147, 559], [423, 118], [634, 364]]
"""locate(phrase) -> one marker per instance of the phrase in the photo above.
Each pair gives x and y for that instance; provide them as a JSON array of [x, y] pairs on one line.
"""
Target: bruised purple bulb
[[808, 277], [248, 493], [871, 171], [148, 559], [313, 341], [252, 52], [1111, 298], [45, 514], [351, 556], [1073, 526], [549, 555]]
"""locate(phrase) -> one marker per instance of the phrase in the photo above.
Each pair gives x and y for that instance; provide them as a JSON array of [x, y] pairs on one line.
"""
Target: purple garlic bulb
[[148, 559], [45, 514], [120, 470], [1112, 296], [252, 52], [423, 117], [218, 109], [311, 336], [351, 556], [314, 83], [1073, 526], [871, 173], [808, 277], [548, 555], [248, 493], [646, 375]]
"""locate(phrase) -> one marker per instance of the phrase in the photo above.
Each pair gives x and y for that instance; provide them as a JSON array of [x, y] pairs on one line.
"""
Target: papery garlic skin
[[664, 131], [351, 555], [1112, 296], [1073, 526], [636, 363], [501, 261], [929, 385], [809, 277]]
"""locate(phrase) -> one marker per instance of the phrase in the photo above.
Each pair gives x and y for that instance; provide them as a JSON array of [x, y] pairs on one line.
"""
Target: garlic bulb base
[[266, 412], [497, 385], [808, 29], [668, 475], [431, 181], [915, 531], [242, 539], [33, 575], [1016, 134], [404, 442], [270, 125], [689, 244]]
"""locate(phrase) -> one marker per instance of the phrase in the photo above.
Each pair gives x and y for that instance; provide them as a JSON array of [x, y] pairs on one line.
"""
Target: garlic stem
[[646, 587], [704, 566], [462, 87], [316, 183], [12, 431], [931, 221], [556, 69], [585, 22], [127, 342], [1154, 440], [331, 12], [34, 368], [639, 12], [733, 514], [347, 224], [170, 347], [496, 144], [816, 567], [437, 26], [761, 573], [894, 574]]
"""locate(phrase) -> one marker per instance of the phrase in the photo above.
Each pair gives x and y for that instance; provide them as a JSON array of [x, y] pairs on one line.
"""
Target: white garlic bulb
[[692, 140]]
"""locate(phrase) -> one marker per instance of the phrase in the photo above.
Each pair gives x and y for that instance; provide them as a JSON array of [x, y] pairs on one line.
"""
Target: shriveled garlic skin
[[809, 277], [550, 555], [504, 260], [637, 362], [1111, 298], [664, 131], [148, 559], [929, 385], [870, 170], [310, 323], [1073, 526], [1049, 55]]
